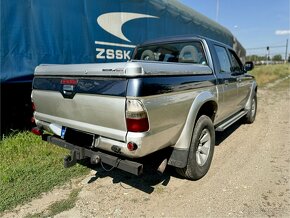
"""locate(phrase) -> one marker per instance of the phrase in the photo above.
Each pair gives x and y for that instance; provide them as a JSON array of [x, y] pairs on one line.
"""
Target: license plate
[[78, 138], [63, 131]]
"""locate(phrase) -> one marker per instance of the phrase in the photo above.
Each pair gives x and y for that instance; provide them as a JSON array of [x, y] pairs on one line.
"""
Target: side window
[[236, 63], [223, 59]]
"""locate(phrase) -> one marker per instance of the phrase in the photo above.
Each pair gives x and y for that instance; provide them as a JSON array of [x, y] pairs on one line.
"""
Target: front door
[[227, 85], [243, 81]]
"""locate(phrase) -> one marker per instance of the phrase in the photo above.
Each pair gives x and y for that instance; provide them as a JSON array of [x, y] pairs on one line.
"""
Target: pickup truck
[[173, 94]]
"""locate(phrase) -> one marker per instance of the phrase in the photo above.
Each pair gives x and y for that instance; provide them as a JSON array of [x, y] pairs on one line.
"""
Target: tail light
[[131, 146], [136, 117], [37, 131], [33, 106], [33, 109]]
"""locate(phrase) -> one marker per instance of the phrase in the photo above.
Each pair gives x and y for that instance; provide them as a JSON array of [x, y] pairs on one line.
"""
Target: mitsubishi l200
[[174, 93]]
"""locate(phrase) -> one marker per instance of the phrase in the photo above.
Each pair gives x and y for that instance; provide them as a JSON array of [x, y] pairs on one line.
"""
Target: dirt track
[[249, 177]]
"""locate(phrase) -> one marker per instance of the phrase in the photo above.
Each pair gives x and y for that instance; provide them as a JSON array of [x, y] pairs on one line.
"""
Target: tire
[[201, 150], [251, 115]]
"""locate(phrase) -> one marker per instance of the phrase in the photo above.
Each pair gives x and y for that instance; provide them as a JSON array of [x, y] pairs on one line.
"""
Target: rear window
[[185, 52]]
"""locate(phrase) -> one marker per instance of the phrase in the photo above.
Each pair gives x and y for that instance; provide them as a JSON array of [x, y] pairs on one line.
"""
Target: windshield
[[182, 52]]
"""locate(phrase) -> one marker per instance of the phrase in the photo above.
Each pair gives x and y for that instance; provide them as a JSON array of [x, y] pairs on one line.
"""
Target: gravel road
[[249, 177]]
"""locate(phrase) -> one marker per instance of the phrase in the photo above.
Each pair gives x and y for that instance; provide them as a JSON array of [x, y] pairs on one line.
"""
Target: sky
[[255, 23]]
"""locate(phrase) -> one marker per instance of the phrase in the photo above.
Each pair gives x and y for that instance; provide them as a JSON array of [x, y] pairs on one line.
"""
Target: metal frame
[[80, 153]]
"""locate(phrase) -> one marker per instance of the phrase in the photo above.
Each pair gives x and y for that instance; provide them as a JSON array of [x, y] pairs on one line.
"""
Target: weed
[[134, 200], [58, 206], [159, 189]]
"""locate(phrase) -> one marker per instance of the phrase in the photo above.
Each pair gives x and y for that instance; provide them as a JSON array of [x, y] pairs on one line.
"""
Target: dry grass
[[269, 73]]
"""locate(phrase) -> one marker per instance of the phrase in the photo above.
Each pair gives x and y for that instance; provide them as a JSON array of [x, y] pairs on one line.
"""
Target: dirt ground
[[249, 177]]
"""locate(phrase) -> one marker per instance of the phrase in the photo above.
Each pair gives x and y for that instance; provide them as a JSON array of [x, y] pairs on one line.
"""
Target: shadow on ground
[[146, 182], [150, 177], [221, 136]]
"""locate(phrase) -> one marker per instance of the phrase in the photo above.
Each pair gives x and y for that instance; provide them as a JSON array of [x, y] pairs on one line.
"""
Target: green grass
[[28, 167], [268, 73], [59, 206]]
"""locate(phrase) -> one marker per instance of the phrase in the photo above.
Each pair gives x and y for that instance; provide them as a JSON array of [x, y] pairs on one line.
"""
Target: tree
[[277, 58], [255, 58], [289, 58]]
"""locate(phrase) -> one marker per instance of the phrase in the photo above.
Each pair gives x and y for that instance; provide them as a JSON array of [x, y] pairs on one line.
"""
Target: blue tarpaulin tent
[[86, 31]]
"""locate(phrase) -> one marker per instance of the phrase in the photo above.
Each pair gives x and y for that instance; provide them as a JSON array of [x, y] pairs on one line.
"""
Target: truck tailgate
[[91, 104]]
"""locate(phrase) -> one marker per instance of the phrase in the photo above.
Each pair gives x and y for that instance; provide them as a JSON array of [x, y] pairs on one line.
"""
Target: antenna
[[286, 52], [217, 10]]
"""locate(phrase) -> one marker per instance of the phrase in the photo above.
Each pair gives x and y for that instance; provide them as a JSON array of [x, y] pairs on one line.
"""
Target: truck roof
[[179, 38]]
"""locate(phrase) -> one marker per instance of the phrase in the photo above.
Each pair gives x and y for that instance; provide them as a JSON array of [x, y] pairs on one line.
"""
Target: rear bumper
[[145, 141], [80, 153]]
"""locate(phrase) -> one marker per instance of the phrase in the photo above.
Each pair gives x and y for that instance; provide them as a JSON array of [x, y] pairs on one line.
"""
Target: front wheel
[[201, 150], [251, 115]]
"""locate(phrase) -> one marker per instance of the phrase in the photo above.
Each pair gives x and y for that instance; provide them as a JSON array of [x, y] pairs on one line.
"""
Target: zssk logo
[[113, 23]]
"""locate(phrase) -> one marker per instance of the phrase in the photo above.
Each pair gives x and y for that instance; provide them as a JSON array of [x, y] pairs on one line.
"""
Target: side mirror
[[249, 65]]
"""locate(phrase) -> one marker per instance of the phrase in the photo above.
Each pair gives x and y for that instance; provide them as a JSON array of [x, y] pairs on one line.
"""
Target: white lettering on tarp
[[119, 54], [100, 53], [112, 54], [112, 23], [126, 55]]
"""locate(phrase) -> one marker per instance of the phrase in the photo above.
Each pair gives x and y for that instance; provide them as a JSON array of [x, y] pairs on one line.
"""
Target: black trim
[[137, 87], [146, 86], [103, 86]]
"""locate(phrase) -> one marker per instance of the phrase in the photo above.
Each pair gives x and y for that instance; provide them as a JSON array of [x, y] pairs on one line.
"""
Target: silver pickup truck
[[174, 94]]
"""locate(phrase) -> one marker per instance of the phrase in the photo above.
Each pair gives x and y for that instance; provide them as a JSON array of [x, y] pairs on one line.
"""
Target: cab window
[[224, 60], [236, 63]]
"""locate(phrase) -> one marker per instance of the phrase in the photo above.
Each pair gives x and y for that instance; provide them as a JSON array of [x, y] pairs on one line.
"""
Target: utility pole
[[217, 10], [285, 61], [268, 54]]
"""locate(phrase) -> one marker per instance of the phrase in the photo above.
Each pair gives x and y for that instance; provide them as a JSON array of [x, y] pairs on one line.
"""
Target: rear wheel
[[201, 150]]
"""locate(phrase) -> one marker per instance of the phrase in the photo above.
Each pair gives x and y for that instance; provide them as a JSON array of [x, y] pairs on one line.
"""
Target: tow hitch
[[70, 160], [80, 153]]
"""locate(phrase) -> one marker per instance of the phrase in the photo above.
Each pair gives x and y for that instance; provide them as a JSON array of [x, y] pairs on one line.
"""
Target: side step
[[230, 121]]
